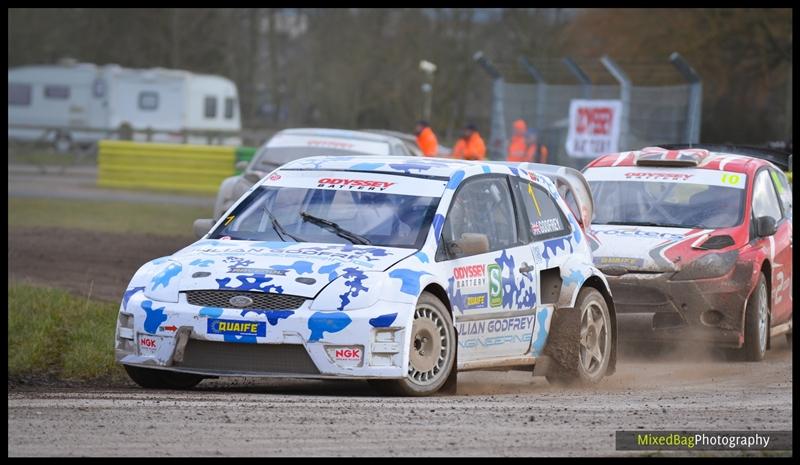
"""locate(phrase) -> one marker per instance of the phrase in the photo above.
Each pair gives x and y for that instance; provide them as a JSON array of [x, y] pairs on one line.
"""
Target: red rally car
[[696, 245]]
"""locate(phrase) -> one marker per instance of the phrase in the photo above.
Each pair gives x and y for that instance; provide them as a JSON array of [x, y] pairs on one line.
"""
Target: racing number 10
[[732, 179]]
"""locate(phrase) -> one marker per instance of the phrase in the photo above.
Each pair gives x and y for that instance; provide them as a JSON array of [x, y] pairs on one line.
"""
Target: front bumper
[[651, 306], [301, 343]]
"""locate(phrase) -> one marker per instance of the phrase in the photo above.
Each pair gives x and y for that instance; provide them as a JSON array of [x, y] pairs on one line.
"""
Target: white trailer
[[82, 103]]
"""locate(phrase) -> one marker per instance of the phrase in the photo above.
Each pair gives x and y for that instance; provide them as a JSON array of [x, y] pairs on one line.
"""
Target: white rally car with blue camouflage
[[399, 271]]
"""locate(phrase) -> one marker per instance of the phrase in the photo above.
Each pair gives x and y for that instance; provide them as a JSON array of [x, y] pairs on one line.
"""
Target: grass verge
[[53, 334], [121, 217]]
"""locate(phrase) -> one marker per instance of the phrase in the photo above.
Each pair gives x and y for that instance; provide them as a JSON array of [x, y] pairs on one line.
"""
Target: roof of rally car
[[705, 159], [436, 167]]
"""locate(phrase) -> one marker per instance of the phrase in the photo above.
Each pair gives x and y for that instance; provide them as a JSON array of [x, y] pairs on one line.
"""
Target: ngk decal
[[345, 354], [354, 184], [148, 345]]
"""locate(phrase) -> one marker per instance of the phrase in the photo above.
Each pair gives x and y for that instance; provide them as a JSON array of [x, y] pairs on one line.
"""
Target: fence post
[[694, 107], [625, 97], [541, 90], [497, 135], [583, 78]]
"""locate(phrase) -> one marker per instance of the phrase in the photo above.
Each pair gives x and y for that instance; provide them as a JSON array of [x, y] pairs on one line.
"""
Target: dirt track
[[493, 414], [83, 260]]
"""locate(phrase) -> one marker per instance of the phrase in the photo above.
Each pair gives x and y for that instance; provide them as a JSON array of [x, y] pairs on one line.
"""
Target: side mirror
[[240, 166], [765, 226], [470, 244], [202, 226]]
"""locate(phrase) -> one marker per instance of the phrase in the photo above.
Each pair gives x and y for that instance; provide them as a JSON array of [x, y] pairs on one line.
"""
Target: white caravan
[[78, 103]]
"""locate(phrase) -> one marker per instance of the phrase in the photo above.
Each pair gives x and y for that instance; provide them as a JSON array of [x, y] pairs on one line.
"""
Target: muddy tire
[[432, 352], [160, 379], [580, 341], [756, 323]]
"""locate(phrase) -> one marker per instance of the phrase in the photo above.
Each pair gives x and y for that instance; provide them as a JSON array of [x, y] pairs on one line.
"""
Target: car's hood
[[296, 268], [638, 248]]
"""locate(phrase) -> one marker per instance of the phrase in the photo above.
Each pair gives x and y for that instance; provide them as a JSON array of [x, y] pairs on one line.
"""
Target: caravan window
[[148, 100], [210, 107], [56, 92], [230, 103], [19, 94]]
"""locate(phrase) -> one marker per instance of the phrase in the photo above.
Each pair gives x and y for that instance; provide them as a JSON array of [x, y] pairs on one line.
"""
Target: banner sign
[[593, 127]]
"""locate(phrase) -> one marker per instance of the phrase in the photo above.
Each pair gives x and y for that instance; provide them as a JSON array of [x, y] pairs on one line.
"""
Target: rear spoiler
[[571, 185], [780, 158]]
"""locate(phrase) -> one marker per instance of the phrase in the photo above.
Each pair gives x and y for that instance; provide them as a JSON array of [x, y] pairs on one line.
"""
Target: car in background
[[411, 142], [291, 144], [398, 270], [697, 246]]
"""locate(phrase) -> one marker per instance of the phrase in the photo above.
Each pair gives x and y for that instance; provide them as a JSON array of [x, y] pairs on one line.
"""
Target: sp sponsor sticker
[[495, 285], [237, 328]]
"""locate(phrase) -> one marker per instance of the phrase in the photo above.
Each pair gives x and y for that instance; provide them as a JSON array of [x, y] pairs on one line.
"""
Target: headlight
[[711, 265], [164, 282], [353, 290]]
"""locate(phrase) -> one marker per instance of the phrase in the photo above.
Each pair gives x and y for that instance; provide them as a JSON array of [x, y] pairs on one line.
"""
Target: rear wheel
[[580, 341], [432, 351], [161, 379], [756, 323]]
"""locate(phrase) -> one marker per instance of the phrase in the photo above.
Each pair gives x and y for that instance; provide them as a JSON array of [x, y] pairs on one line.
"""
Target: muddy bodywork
[[668, 282], [347, 310]]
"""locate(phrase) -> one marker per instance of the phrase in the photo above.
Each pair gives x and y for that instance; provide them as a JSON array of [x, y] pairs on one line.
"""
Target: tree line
[[359, 68]]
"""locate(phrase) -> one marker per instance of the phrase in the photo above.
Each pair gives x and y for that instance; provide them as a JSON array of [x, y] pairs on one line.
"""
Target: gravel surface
[[504, 414]]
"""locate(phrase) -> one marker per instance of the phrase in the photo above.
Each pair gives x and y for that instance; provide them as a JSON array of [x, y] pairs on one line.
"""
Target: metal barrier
[[170, 167], [650, 114]]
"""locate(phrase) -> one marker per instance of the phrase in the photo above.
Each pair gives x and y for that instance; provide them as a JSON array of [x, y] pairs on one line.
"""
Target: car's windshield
[[667, 200], [304, 214], [270, 158]]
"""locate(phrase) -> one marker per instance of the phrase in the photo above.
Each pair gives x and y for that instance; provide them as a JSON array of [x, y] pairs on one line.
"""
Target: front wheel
[[432, 351], [161, 379], [580, 341], [756, 323]]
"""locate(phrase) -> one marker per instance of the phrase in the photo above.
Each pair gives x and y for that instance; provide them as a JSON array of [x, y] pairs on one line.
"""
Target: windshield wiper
[[335, 228], [278, 228]]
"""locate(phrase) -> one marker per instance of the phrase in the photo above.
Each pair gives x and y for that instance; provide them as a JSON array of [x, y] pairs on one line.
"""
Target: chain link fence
[[652, 114]]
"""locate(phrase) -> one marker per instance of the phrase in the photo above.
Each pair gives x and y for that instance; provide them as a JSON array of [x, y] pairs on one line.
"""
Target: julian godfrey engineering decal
[[480, 285]]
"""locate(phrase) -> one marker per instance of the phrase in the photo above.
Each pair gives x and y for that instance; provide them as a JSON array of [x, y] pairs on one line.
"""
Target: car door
[[772, 197], [781, 245], [491, 280]]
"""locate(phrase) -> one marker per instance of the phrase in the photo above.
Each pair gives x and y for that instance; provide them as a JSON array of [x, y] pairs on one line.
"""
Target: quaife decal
[[475, 300], [622, 261], [237, 328], [495, 285], [354, 184]]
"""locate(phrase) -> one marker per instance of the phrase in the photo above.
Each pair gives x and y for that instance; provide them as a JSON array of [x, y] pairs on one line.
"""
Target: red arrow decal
[[170, 328]]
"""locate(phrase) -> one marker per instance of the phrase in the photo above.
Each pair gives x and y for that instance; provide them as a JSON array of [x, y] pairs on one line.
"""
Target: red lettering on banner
[[596, 121]]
